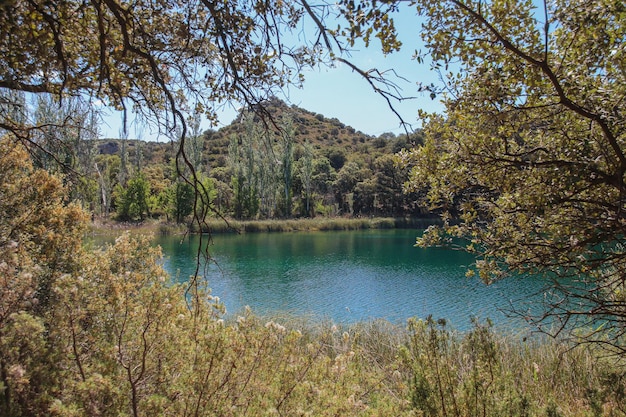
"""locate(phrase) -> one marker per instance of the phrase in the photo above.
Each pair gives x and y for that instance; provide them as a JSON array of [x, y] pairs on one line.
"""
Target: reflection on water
[[347, 276]]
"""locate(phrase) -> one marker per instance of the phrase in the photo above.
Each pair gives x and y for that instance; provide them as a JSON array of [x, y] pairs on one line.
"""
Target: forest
[[305, 167]]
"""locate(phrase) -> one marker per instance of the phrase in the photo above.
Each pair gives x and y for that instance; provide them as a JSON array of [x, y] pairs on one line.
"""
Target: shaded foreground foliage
[[106, 333]]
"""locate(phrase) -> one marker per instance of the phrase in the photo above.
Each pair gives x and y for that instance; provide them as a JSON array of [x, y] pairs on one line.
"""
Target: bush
[[481, 373]]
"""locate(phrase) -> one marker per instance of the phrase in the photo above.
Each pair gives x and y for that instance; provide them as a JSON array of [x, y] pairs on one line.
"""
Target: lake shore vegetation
[[317, 224], [151, 227], [332, 172]]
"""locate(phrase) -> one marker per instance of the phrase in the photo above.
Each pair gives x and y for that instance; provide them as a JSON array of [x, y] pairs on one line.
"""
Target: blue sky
[[341, 93]]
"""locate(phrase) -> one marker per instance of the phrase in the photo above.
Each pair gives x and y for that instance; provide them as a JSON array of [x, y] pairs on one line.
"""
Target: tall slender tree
[[287, 134], [306, 175]]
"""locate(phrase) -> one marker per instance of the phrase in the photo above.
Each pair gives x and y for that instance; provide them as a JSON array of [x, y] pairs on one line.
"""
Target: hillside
[[323, 133], [332, 170]]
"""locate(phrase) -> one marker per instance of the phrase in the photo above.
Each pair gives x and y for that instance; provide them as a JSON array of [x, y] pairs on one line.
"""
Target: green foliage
[[529, 157], [182, 199], [245, 172], [323, 175], [246, 204], [286, 164], [365, 197], [337, 158], [207, 195], [261, 167], [306, 176], [285, 155], [278, 157], [132, 200]]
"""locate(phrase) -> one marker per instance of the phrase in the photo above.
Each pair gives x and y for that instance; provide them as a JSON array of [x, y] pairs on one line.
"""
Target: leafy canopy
[[530, 153]]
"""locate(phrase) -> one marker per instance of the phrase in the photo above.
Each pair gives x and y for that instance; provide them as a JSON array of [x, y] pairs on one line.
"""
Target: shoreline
[[219, 226]]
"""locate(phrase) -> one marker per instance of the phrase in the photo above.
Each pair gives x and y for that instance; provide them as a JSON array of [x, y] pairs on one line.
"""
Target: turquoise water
[[348, 276]]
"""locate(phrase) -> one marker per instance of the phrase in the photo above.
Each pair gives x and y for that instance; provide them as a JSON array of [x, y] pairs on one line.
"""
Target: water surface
[[347, 276]]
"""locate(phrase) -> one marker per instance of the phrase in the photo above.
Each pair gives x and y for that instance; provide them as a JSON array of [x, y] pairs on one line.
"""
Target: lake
[[348, 276]]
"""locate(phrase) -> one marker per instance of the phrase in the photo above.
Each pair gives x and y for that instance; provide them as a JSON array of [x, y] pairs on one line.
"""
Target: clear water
[[349, 276]]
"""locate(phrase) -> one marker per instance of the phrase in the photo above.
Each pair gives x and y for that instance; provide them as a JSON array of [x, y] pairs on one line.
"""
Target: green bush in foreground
[[121, 339]]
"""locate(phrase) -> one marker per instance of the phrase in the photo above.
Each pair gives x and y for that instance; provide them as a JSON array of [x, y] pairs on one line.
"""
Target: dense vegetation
[[532, 151], [527, 164], [306, 166]]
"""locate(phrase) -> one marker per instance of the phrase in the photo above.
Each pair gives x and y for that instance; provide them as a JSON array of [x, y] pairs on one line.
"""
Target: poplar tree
[[286, 162], [306, 175]]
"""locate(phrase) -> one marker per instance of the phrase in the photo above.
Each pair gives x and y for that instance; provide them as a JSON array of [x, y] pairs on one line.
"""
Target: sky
[[343, 94]]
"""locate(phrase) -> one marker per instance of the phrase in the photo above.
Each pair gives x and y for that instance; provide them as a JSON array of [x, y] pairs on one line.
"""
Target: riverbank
[[107, 226]]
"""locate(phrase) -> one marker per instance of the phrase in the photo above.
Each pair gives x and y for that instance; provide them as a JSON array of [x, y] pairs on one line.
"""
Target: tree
[[347, 178], [365, 197], [530, 152], [389, 180], [133, 199], [264, 171], [107, 168], [40, 241], [210, 190], [306, 176], [244, 178], [286, 162], [195, 142], [182, 197], [64, 141], [337, 158], [132, 55]]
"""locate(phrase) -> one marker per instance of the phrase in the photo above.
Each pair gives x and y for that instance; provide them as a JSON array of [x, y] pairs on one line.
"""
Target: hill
[[325, 134], [332, 170]]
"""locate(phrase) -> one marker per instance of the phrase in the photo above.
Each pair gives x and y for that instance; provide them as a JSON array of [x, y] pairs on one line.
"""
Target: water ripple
[[350, 276]]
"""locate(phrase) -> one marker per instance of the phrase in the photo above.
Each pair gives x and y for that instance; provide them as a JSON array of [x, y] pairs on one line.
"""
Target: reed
[[314, 224]]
